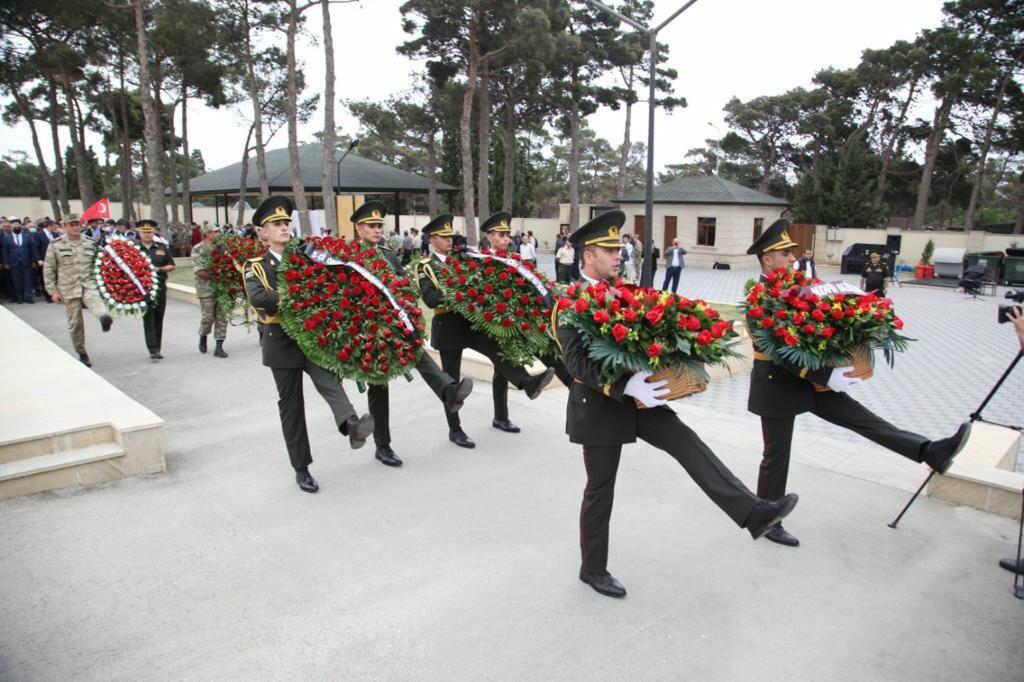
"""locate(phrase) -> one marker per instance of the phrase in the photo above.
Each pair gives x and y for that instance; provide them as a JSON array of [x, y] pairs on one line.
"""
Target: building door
[[802, 234], [638, 228], [670, 232]]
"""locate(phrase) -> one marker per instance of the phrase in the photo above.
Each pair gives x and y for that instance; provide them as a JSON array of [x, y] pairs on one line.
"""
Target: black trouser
[[841, 410], [562, 272], [153, 321], [37, 275], [451, 363], [21, 283], [380, 407], [292, 407], [661, 428], [499, 386], [672, 275]]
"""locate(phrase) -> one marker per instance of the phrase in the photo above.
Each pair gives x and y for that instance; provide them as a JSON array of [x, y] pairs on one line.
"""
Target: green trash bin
[[1013, 267], [992, 260]]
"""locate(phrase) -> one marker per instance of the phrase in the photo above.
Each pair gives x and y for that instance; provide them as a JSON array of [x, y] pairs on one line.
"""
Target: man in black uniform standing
[[284, 357], [451, 333], [499, 235], [874, 278], [602, 418], [369, 223], [780, 392], [160, 256]]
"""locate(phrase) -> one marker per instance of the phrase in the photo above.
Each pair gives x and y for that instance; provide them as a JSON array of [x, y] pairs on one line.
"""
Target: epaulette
[[253, 260]]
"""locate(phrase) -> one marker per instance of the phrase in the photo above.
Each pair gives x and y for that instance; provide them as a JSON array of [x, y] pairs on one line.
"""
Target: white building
[[715, 220]]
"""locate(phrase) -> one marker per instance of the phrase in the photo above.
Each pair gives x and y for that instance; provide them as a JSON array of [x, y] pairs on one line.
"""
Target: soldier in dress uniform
[[875, 276], [369, 224], [212, 316], [67, 273], [499, 236], [604, 417], [780, 392], [283, 356], [160, 256], [451, 333]]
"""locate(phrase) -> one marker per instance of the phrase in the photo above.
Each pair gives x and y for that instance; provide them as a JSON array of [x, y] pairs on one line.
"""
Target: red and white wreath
[[125, 277]]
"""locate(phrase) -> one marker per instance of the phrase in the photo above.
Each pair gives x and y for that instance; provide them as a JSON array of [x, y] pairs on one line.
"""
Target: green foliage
[[928, 252]]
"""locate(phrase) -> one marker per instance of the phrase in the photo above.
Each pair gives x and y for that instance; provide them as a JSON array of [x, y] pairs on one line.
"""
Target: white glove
[[647, 393], [839, 382]]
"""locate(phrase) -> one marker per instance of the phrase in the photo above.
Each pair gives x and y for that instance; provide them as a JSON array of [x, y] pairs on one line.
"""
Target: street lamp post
[[647, 274]]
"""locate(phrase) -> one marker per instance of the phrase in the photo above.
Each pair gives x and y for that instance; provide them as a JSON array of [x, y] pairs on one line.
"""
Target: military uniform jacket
[[199, 255], [597, 413], [778, 390], [875, 276], [159, 256], [449, 330], [67, 266], [279, 350]]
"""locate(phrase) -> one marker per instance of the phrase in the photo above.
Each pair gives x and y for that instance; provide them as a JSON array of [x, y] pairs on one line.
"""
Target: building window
[[758, 226], [705, 231]]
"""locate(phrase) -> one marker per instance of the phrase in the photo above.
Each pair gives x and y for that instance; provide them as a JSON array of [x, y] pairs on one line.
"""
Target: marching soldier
[[369, 222], [212, 316], [875, 276], [67, 272], [160, 256], [780, 392], [284, 357], [499, 236], [602, 418], [450, 332]]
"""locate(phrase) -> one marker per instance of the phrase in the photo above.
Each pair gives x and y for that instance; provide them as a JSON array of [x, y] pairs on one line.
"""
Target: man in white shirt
[[807, 265], [527, 251], [629, 267]]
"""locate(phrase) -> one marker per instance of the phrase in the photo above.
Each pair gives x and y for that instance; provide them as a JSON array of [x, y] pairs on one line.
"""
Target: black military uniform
[[780, 392], [153, 320], [876, 277], [451, 333], [287, 361], [452, 393], [499, 222], [602, 418]]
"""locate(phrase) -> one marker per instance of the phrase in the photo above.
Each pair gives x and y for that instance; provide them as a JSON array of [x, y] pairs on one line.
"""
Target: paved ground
[[461, 565]]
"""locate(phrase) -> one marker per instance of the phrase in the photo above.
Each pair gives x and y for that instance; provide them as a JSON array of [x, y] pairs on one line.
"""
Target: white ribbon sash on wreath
[[116, 257], [516, 265], [325, 257], [833, 288]]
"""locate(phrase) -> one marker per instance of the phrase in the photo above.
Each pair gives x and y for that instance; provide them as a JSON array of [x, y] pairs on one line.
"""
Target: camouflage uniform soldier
[[67, 273], [213, 317]]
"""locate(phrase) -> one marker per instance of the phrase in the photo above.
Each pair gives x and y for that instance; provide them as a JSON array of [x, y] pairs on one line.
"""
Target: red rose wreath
[[223, 267], [125, 277]]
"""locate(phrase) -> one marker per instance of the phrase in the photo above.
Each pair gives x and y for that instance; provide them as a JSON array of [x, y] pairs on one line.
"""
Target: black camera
[[1017, 296]]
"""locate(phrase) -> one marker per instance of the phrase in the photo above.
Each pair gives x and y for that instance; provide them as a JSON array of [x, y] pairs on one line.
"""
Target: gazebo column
[[398, 217]]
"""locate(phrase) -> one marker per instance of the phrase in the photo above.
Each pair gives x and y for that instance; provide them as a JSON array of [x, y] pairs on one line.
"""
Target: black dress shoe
[[306, 481], [505, 425], [202, 344], [779, 535], [1013, 565], [84, 359], [939, 454], [105, 322], [386, 455], [604, 583], [455, 394], [358, 430], [766, 514], [460, 438], [218, 352], [155, 355], [535, 385]]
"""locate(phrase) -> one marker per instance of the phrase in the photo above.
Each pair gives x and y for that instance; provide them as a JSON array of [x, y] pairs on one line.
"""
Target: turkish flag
[[98, 211]]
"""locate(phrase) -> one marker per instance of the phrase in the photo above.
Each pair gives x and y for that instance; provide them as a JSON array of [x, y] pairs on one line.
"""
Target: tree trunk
[[1018, 226], [154, 147], [931, 154], [620, 182], [327, 178], [890, 146], [186, 198], [484, 143], [574, 163], [432, 207], [44, 172], [508, 143], [465, 135], [127, 167], [58, 162], [298, 191], [85, 192], [257, 110], [171, 166], [986, 144], [242, 189]]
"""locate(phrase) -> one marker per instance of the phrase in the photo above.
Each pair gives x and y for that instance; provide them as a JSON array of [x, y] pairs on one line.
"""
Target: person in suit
[[283, 356], [779, 392], [674, 264], [807, 265], [369, 223], [500, 237], [451, 333], [18, 258], [603, 417], [160, 256]]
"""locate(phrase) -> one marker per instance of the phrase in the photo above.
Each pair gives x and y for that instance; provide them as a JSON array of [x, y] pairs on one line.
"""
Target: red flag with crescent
[[98, 211]]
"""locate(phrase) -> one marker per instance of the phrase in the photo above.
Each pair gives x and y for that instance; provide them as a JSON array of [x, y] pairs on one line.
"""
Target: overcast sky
[[721, 48]]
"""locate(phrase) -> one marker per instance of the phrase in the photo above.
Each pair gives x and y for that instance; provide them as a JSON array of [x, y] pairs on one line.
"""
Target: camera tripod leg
[[912, 499], [1018, 581]]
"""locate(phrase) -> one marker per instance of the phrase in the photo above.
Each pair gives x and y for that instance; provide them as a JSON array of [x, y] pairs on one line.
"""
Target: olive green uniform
[[212, 318], [67, 270]]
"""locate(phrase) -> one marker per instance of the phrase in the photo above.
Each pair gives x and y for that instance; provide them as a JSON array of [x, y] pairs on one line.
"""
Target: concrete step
[[32, 443], [66, 459], [984, 475]]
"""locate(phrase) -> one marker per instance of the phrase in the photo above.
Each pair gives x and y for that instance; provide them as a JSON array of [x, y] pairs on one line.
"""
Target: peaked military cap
[[71, 218], [440, 226], [603, 230], [146, 225], [274, 208], [775, 238], [371, 212], [499, 222]]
